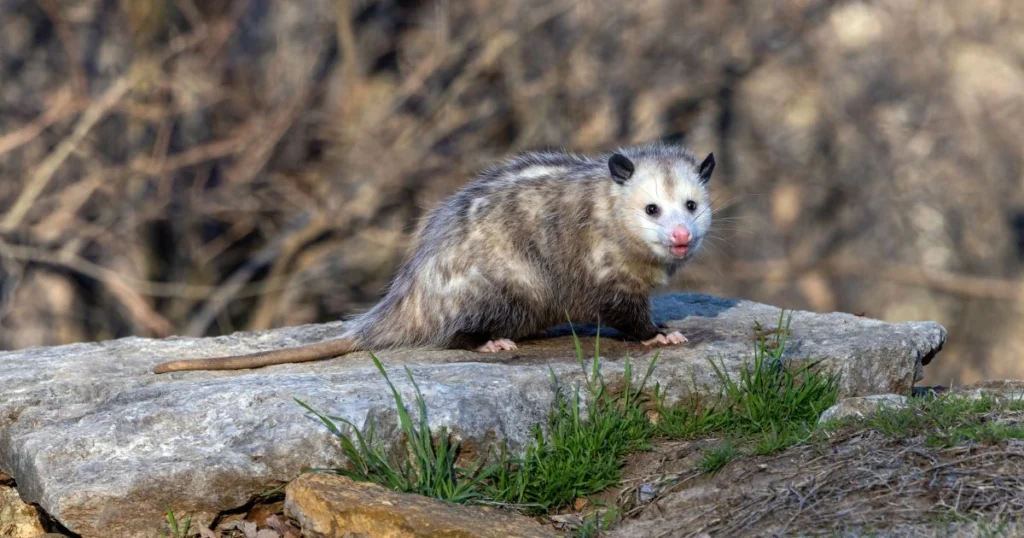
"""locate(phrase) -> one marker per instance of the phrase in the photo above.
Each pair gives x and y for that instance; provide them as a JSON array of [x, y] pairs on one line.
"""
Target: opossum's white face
[[666, 204]]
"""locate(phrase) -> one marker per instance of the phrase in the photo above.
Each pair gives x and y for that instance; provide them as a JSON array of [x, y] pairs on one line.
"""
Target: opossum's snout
[[679, 241]]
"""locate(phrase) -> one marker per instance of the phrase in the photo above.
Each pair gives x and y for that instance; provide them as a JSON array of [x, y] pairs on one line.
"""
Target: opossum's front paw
[[673, 338], [494, 346]]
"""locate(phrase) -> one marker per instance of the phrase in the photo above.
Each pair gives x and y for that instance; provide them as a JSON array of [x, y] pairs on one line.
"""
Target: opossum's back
[[532, 211]]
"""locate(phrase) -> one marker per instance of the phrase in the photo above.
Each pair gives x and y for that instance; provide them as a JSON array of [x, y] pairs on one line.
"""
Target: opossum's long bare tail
[[306, 353]]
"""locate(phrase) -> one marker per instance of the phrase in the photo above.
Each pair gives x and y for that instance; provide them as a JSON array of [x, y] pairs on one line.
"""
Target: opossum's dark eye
[[652, 210], [691, 205]]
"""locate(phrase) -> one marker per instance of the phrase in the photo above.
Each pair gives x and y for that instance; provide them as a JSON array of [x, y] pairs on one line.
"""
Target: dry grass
[[870, 482]]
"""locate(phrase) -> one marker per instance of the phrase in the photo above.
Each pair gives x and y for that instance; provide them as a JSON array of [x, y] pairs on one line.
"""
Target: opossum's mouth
[[679, 250]]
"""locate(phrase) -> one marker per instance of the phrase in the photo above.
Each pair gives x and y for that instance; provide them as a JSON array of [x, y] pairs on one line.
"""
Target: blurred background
[[197, 167]]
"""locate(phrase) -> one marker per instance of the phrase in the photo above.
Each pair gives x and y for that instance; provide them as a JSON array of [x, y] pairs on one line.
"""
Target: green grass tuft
[[770, 407], [948, 420], [176, 530], [429, 467], [691, 420], [713, 460], [1015, 404], [770, 398], [597, 522], [584, 446]]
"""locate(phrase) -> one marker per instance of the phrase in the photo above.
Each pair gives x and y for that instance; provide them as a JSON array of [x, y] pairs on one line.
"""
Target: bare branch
[[63, 107], [131, 300], [45, 171]]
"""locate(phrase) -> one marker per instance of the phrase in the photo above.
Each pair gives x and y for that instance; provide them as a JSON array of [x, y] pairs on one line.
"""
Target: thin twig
[[264, 313], [191, 157], [39, 180], [63, 107], [67, 39], [114, 282], [234, 284]]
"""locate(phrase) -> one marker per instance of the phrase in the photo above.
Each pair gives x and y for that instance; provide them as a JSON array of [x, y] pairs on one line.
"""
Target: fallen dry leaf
[[283, 527], [248, 528]]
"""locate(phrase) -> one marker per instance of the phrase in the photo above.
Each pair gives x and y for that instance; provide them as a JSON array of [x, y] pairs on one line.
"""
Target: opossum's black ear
[[705, 168], [622, 168]]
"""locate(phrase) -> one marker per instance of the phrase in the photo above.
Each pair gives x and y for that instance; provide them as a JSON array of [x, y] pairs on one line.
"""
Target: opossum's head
[[664, 200]]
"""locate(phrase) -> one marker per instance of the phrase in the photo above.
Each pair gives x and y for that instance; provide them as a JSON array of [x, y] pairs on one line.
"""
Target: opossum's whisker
[[732, 234], [736, 218], [729, 232], [712, 243], [729, 227], [705, 209], [725, 205]]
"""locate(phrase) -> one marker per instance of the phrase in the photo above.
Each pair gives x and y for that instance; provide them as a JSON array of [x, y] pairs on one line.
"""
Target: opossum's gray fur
[[530, 240], [540, 236]]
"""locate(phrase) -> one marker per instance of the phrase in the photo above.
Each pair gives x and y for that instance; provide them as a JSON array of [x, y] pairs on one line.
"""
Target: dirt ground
[[853, 483]]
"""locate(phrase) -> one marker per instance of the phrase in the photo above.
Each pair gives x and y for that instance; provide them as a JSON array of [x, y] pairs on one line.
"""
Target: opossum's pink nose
[[680, 236]]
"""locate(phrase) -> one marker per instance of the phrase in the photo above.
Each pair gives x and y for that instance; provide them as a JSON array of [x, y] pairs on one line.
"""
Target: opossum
[[530, 241]]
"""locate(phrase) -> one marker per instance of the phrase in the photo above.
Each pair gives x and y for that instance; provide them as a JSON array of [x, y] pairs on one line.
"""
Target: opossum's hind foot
[[673, 338], [494, 346]]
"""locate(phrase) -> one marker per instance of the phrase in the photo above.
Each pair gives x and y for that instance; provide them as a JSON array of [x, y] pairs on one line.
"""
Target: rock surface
[[329, 506], [863, 406], [105, 446]]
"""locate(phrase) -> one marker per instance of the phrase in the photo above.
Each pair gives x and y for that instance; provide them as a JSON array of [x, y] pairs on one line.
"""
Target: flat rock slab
[[329, 506], [105, 446]]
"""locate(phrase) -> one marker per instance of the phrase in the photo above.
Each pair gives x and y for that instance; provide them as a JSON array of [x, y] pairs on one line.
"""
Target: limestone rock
[[104, 446], [330, 506], [863, 406]]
